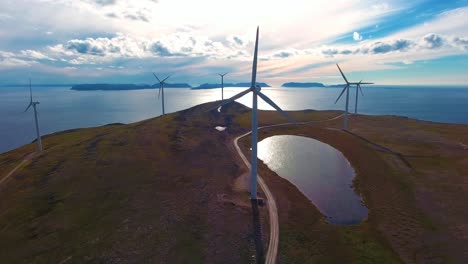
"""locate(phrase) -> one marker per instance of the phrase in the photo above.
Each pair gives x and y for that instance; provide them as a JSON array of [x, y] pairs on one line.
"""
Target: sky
[[123, 41]]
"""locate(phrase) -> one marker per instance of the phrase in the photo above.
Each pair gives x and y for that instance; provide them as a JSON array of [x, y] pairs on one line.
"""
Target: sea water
[[61, 108]]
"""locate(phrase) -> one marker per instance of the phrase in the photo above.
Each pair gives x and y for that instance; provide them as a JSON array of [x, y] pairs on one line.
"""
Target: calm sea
[[61, 108]]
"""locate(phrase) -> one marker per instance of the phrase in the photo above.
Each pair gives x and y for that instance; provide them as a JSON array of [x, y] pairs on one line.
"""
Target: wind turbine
[[33, 104], [161, 90], [358, 87], [346, 88], [255, 89], [222, 85]]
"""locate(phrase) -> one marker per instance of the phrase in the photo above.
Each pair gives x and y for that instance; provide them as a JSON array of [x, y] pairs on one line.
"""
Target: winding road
[[272, 250]]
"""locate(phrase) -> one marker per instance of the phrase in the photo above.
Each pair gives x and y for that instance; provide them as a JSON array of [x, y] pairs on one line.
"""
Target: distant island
[[218, 85], [116, 87], [336, 85], [303, 85]]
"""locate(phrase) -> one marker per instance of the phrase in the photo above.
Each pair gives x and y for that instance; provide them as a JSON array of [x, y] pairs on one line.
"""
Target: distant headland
[[303, 85], [117, 86]]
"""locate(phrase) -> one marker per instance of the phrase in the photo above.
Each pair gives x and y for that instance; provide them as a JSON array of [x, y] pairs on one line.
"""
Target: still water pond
[[319, 171]]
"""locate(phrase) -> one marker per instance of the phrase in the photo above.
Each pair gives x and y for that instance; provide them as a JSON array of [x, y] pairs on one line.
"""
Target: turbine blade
[[30, 104], [159, 93], [254, 64], [225, 73], [342, 74], [344, 89], [270, 102], [366, 83], [166, 78], [156, 77], [360, 89], [235, 97]]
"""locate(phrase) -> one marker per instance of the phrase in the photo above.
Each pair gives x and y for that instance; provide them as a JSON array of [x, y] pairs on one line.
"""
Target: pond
[[319, 171]]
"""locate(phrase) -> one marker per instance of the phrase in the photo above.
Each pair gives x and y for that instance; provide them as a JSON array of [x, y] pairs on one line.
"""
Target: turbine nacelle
[[348, 84]]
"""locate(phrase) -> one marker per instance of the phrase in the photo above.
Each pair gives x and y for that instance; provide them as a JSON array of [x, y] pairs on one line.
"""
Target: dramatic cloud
[[78, 37]]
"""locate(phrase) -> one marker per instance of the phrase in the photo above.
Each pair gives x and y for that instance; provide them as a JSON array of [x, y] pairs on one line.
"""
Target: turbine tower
[[255, 89], [161, 90], [222, 85], [346, 88], [33, 104]]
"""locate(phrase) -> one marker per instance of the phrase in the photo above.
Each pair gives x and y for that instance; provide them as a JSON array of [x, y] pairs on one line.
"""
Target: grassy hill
[[170, 190]]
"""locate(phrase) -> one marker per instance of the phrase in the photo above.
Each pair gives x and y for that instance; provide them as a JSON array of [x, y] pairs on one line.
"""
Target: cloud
[[85, 47], [159, 49], [137, 17], [283, 54], [9, 60], [237, 40], [112, 15], [35, 55], [356, 36], [134, 16], [105, 2], [432, 41], [460, 42], [330, 52], [107, 49], [382, 47]]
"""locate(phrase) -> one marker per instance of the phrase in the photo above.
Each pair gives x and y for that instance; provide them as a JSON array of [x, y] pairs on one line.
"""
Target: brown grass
[[168, 190], [412, 176]]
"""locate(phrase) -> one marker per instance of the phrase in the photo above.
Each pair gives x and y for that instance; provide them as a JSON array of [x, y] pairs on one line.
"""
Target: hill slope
[[170, 190]]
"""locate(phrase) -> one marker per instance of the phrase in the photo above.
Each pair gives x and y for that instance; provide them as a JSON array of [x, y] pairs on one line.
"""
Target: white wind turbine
[[161, 90], [255, 89], [33, 104], [222, 85], [358, 87], [346, 88]]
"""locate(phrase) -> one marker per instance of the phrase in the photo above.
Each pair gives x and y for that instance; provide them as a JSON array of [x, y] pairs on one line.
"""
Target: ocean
[[61, 108]]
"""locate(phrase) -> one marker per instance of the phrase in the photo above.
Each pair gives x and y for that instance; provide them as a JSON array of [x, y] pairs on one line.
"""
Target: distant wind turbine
[[222, 84], [346, 88], [358, 87], [33, 104], [255, 89], [161, 90]]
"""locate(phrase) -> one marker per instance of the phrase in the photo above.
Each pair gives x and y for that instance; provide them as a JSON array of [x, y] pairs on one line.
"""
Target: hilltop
[[171, 190]]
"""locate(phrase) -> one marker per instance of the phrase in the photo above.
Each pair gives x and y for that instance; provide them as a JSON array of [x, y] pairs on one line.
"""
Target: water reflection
[[319, 171]]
